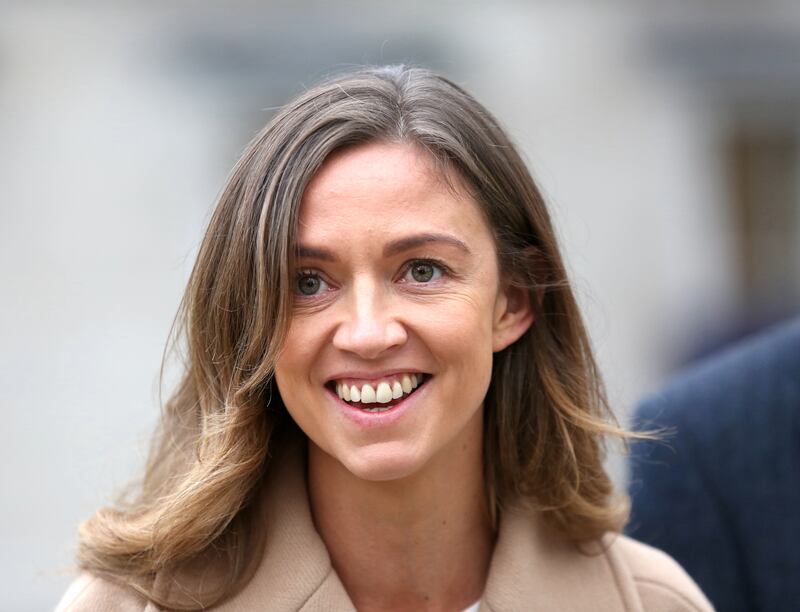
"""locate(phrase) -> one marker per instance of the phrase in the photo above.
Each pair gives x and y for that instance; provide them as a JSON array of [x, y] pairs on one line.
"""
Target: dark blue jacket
[[722, 495]]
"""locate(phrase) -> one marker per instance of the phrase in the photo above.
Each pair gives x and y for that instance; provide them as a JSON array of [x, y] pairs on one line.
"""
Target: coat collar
[[531, 567]]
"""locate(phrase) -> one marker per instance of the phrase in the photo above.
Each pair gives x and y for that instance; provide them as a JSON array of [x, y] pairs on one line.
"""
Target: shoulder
[[766, 363], [771, 354], [662, 585], [90, 593]]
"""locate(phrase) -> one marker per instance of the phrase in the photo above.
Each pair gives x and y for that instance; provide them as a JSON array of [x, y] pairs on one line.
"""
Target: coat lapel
[[295, 572], [532, 568]]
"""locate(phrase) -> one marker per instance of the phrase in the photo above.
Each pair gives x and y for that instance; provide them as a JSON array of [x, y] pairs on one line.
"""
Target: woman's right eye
[[310, 284]]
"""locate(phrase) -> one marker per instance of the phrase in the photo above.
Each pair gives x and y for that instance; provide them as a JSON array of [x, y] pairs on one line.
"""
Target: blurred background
[[664, 138]]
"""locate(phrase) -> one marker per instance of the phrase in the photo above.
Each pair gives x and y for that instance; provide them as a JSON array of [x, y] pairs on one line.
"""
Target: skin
[[401, 507]]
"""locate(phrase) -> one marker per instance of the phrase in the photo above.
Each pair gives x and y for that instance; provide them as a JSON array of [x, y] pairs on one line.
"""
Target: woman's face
[[397, 284]]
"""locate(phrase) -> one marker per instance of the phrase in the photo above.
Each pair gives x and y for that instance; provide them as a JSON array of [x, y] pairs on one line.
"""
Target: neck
[[422, 542]]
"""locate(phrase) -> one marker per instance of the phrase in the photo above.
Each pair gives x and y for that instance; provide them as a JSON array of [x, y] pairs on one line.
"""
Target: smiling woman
[[390, 401], [408, 291]]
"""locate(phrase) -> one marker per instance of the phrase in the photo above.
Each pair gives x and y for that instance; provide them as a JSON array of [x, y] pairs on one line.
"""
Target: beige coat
[[531, 569]]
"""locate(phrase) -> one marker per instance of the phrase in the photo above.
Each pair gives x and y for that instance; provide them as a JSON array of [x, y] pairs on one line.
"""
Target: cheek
[[291, 377], [460, 336], [296, 360]]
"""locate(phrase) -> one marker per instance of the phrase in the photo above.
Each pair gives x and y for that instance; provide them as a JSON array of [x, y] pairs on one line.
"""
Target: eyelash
[[406, 269]]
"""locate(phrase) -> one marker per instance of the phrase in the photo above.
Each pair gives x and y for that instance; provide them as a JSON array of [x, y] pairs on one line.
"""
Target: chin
[[382, 462]]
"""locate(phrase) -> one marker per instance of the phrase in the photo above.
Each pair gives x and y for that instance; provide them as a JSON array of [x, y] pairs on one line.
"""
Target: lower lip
[[372, 420]]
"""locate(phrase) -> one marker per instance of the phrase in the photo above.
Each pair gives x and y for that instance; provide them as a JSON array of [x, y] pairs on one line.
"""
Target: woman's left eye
[[423, 272]]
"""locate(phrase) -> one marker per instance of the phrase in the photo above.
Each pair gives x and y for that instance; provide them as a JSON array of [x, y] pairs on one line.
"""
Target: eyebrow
[[411, 242], [393, 248], [307, 252]]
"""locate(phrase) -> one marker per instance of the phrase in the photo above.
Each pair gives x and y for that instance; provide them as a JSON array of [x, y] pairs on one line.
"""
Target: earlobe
[[513, 316]]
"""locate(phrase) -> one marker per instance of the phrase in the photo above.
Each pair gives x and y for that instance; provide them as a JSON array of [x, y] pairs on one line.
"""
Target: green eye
[[309, 284], [424, 272]]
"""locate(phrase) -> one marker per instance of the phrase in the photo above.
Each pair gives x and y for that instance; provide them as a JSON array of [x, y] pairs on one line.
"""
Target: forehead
[[381, 189]]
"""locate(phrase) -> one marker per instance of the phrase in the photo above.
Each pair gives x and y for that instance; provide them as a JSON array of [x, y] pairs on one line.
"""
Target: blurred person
[[723, 495], [390, 401]]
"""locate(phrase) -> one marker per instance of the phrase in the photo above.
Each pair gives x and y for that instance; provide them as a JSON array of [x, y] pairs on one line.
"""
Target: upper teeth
[[381, 392]]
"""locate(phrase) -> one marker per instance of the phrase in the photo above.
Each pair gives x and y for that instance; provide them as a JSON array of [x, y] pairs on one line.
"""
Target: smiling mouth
[[379, 396]]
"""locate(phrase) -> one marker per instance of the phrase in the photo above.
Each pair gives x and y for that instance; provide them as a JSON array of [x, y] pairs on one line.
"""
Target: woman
[[390, 401]]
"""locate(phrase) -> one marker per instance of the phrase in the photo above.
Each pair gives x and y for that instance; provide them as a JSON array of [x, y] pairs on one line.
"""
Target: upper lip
[[367, 376]]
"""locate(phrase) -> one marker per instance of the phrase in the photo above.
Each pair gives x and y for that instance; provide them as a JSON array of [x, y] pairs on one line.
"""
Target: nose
[[369, 326]]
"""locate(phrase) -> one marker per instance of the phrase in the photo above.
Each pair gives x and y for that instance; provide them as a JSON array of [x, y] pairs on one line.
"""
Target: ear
[[513, 315]]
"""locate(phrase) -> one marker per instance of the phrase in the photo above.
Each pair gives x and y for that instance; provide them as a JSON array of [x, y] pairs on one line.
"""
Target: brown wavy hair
[[546, 414]]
